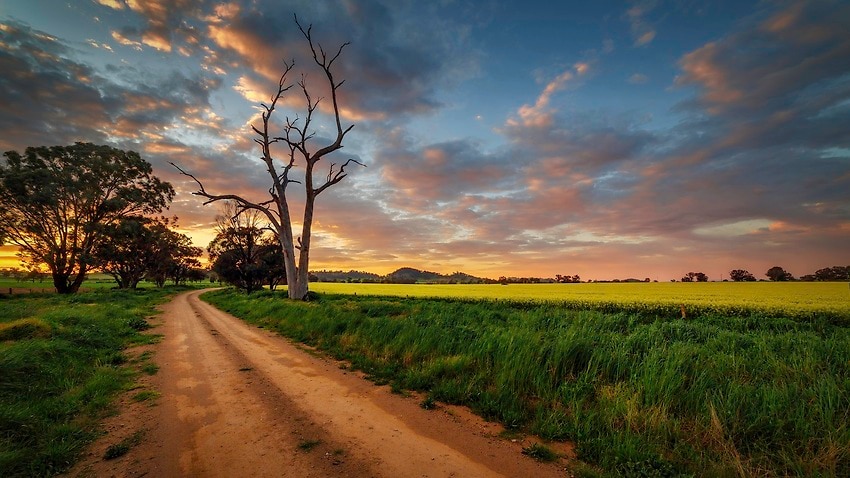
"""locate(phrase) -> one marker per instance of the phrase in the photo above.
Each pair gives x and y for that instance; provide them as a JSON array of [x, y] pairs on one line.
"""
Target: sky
[[611, 140]]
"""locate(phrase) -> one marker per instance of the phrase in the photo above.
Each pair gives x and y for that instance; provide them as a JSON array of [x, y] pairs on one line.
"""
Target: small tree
[[296, 139], [741, 275], [55, 200], [137, 247], [126, 250], [695, 277], [183, 261], [174, 257], [777, 273], [241, 254]]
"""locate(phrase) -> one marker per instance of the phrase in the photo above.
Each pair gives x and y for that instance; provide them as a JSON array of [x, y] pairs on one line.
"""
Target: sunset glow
[[610, 140]]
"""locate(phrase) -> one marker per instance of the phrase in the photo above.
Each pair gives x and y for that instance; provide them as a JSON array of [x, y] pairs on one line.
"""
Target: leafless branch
[[336, 175], [241, 202]]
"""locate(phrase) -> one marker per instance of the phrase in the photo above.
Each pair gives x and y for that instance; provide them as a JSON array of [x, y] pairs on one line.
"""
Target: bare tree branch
[[296, 133], [335, 176]]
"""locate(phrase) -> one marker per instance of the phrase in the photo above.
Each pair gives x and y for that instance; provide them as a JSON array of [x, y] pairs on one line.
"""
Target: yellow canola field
[[777, 298]]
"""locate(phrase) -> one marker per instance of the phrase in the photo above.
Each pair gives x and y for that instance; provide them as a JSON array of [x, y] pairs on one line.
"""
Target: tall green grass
[[640, 394], [61, 363]]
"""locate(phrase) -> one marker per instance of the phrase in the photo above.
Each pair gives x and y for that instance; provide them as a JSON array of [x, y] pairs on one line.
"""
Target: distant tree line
[[779, 274]]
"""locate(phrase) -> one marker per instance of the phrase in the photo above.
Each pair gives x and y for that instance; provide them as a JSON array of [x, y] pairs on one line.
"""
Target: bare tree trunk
[[296, 134]]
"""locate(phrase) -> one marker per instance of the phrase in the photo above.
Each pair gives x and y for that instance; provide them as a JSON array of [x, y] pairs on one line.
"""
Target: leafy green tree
[[742, 275], [246, 261], [175, 257], [126, 251], [55, 200], [778, 274]]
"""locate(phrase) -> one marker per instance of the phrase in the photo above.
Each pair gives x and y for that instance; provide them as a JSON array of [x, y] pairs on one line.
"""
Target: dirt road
[[236, 400]]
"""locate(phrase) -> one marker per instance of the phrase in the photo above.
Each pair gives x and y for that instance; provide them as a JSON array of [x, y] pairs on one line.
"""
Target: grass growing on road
[[641, 394], [61, 363]]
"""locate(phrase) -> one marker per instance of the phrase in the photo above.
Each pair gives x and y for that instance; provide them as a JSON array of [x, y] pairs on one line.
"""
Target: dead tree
[[296, 134]]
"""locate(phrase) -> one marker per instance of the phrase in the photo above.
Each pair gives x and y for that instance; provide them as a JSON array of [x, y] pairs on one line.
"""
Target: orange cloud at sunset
[[608, 141]]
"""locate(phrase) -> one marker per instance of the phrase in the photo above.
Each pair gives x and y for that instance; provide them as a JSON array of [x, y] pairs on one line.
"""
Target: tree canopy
[[777, 273], [742, 275], [695, 277], [243, 254], [135, 248], [55, 200]]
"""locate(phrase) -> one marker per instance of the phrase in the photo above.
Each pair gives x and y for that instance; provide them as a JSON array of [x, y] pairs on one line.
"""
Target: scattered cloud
[[164, 20], [755, 161], [642, 30], [540, 114]]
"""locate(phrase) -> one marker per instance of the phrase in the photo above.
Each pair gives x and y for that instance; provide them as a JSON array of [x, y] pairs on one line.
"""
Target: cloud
[[127, 107], [753, 172], [251, 90], [642, 31], [638, 79], [792, 59], [45, 95], [164, 20], [394, 64], [776, 159], [539, 114], [441, 172]]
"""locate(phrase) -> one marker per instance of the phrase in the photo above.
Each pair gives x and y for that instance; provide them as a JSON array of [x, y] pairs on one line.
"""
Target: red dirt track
[[240, 401]]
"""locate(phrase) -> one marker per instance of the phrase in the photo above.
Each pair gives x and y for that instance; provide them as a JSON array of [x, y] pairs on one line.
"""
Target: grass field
[[639, 390], [61, 362], [94, 282], [798, 299]]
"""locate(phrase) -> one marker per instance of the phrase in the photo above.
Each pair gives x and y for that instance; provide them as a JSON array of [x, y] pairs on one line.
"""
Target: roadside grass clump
[[428, 403], [540, 453], [149, 368], [146, 395], [121, 448], [639, 393], [61, 364], [20, 329]]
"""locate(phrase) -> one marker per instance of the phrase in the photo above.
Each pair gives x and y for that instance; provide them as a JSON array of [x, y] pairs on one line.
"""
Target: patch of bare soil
[[236, 400]]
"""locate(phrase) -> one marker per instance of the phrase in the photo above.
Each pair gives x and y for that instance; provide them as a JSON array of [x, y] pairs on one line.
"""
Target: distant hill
[[404, 275], [347, 276], [409, 275]]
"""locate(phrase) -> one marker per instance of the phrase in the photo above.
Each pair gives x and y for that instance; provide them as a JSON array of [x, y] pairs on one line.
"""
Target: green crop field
[[774, 298]]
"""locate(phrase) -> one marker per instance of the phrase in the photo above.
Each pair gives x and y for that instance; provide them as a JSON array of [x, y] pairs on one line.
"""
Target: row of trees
[[834, 273], [73, 209], [136, 248], [778, 274]]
